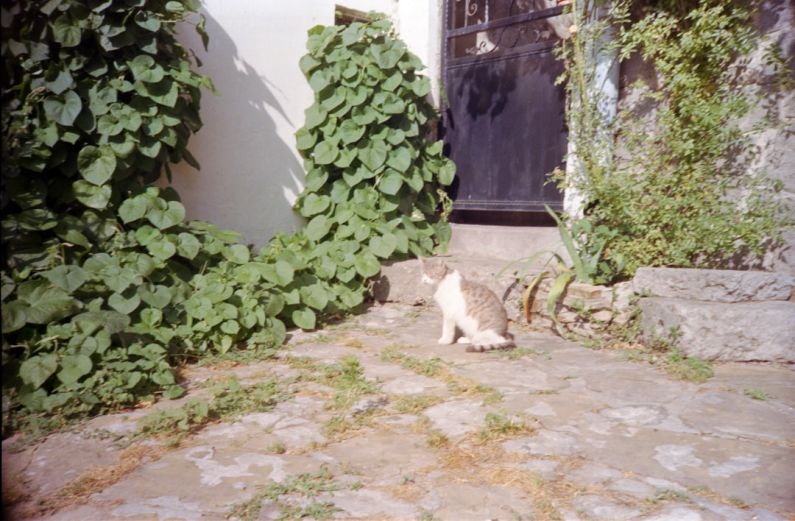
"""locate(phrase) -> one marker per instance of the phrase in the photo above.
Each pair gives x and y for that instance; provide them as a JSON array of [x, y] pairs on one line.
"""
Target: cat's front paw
[[445, 341]]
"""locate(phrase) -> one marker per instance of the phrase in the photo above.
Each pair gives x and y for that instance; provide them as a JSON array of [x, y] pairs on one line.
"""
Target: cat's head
[[433, 270]]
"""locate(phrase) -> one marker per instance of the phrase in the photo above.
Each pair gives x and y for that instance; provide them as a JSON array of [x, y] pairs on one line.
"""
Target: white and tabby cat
[[470, 306]]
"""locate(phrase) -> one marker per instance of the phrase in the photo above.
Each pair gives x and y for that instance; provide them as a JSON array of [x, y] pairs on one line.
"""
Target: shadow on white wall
[[250, 172]]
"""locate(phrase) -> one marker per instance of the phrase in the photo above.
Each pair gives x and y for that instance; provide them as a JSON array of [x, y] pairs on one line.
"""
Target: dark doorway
[[503, 116]]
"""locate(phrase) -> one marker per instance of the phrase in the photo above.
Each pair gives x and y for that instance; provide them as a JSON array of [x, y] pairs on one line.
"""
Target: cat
[[470, 306]]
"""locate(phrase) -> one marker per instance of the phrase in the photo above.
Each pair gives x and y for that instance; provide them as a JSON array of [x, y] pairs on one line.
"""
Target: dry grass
[[407, 491], [95, 480], [355, 343]]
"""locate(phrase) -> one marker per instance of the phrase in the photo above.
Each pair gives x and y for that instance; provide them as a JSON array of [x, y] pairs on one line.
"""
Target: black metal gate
[[504, 118]]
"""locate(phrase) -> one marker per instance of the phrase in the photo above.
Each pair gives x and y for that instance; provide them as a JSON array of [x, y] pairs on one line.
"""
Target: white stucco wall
[[250, 171]]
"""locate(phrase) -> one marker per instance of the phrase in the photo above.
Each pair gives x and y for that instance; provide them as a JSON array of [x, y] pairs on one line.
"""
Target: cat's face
[[433, 270]]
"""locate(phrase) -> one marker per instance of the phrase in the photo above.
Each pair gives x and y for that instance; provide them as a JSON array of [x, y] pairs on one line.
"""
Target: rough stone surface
[[606, 439], [714, 285], [749, 331]]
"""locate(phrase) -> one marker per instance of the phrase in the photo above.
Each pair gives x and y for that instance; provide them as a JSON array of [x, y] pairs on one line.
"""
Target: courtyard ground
[[372, 419]]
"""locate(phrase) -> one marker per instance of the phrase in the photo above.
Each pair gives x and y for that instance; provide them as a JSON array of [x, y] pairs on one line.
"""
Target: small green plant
[[301, 489], [583, 247], [499, 426], [277, 448], [691, 369], [520, 352], [757, 393], [348, 381], [667, 494]]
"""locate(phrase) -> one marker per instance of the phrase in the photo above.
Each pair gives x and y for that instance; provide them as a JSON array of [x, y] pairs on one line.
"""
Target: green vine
[[105, 285]]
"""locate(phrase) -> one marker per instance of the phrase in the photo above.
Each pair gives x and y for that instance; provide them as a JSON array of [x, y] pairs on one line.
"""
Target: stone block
[[714, 285], [744, 331]]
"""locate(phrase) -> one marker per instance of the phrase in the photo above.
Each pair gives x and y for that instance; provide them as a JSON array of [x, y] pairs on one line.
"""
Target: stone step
[[714, 285], [737, 331], [506, 243], [401, 281]]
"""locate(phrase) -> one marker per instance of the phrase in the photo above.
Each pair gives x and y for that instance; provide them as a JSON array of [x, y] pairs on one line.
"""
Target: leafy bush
[[683, 193], [98, 97], [105, 286]]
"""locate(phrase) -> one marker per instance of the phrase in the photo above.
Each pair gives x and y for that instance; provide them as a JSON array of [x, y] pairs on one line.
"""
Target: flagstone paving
[[551, 430]]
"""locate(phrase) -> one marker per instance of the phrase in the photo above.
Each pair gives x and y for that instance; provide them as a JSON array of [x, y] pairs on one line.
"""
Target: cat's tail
[[501, 342]]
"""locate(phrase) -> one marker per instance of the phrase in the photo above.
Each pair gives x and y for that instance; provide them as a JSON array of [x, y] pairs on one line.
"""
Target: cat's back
[[484, 305]]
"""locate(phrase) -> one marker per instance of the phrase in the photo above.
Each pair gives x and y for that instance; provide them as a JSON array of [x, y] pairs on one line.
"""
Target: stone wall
[[775, 20], [585, 310]]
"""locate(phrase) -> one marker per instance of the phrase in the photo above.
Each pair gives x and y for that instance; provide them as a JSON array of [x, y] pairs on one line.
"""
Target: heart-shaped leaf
[[156, 295], [384, 245], [373, 154], [314, 296], [74, 367], [367, 264], [188, 245], [314, 204], [447, 173], [124, 305], [318, 227], [133, 208], [390, 183], [67, 277], [350, 132], [399, 159], [304, 318], [37, 369], [171, 215], [161, 248], [63, 109], [96, 164], [325, 153], [91, 195], [14, 316]]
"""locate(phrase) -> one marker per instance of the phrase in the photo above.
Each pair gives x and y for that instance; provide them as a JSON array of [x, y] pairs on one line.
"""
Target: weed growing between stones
[[348, 383], [295, 498], [691, 369], [429, 367], [435, 368], [500, 427], [757, 393], [230, 400], [415, 403], [519, 352]]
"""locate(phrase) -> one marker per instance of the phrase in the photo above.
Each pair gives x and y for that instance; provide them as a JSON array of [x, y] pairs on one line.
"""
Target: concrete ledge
[[714, 285], [743, 331], [400, 281]]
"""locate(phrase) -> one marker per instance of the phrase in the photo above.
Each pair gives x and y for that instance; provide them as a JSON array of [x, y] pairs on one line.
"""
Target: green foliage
[[105, 285], [373, 185], [97, 100], [684, 192]]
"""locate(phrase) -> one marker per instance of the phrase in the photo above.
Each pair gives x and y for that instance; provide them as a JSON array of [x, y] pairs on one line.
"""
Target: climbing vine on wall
[[683, 190]]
